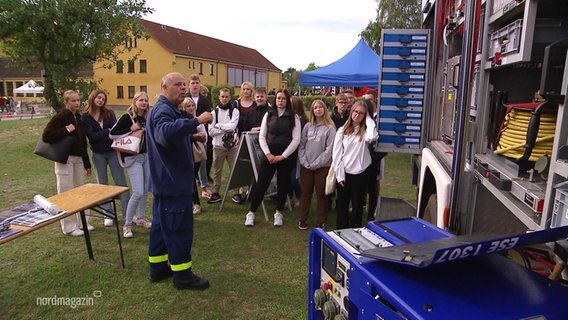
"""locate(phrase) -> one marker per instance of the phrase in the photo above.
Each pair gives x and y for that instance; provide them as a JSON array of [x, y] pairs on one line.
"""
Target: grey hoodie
[[316, 146]]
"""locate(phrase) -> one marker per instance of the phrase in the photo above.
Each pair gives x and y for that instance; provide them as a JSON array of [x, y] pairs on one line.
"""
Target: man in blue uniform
[[171, 181]]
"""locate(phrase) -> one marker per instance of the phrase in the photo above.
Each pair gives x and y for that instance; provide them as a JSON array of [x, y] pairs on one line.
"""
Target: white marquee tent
[[29, 87]]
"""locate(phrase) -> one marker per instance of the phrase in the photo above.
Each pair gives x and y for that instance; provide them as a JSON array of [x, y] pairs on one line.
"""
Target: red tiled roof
[[10, 70], [195, 45]]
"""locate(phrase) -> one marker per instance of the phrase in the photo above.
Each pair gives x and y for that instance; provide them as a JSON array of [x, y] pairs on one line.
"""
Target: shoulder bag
[[129, 143], [199, 153], [57, 151]]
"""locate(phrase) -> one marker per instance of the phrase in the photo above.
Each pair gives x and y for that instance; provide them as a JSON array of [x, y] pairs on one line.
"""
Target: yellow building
[[169, 49]]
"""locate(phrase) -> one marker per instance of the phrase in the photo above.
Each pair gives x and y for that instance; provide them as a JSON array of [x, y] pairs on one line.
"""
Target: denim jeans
[[110, 159], [203, 180], [138, 172]]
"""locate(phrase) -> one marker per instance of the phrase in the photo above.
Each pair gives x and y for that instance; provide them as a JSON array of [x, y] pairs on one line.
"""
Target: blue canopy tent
[[358, 68]]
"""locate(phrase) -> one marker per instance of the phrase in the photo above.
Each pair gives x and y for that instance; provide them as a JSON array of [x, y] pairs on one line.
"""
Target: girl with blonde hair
[[136, 164], [67, 122], [352, 163], [314, 154]]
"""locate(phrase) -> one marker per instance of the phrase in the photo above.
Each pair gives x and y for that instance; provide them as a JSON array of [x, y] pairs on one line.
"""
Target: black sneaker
[[167, 273], [195, 283], [321, 226], [215, 197], [302, 225], [237, 198]]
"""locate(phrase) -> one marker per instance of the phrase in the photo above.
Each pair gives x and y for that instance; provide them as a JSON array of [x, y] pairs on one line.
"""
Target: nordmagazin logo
[[72, 302]]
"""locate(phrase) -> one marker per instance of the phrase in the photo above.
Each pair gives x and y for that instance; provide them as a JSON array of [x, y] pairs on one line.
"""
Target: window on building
[[193, 65], [201, 68], [144, 89], [18, 84], [119, 92], [189, 64], [130, 66], [9, 87], [260, 80], [131, 91], [135, 43], [143, 66], [235, 76], [211, 69], [238, 75], [2, 92], [119, 66]]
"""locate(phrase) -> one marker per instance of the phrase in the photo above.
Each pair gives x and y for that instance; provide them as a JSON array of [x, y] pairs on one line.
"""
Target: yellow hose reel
[[514, 134]]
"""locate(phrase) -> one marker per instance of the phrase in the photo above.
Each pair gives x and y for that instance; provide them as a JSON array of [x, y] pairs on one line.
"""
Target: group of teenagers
[[342, 140], [300, 151], [165, 164]]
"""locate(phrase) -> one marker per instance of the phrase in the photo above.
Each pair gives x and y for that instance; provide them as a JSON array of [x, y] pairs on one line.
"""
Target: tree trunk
[[49, 92]]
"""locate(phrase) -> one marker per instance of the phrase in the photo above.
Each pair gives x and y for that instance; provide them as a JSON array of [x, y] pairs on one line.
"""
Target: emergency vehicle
[[478, 95]]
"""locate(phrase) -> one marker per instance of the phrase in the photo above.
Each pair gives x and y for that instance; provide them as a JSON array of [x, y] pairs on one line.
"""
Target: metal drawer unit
[[404, 55]]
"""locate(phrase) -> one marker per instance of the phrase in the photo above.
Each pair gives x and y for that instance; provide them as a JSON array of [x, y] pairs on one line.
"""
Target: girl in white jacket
[[351, 161]]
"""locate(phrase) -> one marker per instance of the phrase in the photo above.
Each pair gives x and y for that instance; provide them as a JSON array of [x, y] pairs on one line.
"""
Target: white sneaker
[[108, 222], [127, 232], [249, 222], [76, 233], [278, 219], [89, 227], [196, 209], [142, 223]]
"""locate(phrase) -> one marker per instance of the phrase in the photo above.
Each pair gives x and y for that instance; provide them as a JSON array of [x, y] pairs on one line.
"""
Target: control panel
[[332, 296], [410, 269]]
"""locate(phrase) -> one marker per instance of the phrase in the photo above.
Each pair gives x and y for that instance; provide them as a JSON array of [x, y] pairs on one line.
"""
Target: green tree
[[311, 66], [292, 76], [392, 14], [64, 37]]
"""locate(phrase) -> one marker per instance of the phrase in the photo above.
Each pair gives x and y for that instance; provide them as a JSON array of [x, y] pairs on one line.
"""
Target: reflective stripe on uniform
[[158, 259], [181, 266]]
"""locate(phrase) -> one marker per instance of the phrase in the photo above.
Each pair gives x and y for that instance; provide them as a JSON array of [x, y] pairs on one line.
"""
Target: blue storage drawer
[[401, 90], [401, 103], [409, 53], [420, 39], [400, 117], [404, 64], [400, 141], [400, 128], [416, 78]]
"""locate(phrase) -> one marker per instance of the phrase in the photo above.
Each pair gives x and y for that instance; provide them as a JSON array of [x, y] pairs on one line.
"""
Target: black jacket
[[99, 136], [339, 119], [254, 117], [55, 131]]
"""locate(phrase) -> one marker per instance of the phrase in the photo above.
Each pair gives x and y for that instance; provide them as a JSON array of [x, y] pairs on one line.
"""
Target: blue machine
[[410, 269]]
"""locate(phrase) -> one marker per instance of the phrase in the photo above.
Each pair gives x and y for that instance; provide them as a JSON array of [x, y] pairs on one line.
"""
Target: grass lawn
[[255, 273]]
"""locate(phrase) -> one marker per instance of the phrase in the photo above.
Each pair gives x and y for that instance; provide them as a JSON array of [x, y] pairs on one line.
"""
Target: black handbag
[[57, 151]]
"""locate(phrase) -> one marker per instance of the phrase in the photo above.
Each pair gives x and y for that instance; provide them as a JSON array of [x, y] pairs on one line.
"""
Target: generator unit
[[410, 269]]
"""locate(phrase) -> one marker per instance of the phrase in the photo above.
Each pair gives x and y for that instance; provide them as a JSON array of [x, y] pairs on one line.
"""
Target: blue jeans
[[203, 180], [137, 168], [110, 159]]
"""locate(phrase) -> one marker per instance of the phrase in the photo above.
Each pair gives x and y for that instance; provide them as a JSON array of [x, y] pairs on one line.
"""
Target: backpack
[[229, 139]]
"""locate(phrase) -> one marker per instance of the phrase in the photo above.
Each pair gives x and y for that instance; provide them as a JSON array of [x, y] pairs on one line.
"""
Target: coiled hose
[[513, 139]]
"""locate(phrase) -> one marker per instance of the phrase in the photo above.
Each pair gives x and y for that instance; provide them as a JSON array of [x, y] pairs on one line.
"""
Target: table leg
[[115, 218], [87, 237]]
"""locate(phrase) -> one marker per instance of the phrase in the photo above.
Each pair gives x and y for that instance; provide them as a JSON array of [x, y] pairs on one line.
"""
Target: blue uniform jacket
[[170, 155]]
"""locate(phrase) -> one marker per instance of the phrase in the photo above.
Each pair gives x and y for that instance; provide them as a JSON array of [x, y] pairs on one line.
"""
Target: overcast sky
[[289, 33]]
